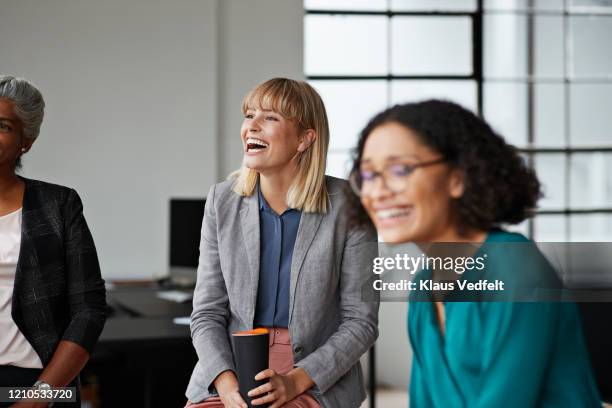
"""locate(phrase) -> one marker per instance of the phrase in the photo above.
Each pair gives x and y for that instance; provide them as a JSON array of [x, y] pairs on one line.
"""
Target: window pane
[[592, 53], [431, 45], [355, 5], [591, 228], [550, 228], [548, 5], [591, 180], [338, 164], [556, 5], [350, 105], [550, 169], [548, 46], [505, 46], [549, 115], [433, 5], [505, 4], [505, 39], [461, 92], [591, 121], [345, 45], [505, 109], [590, 5]]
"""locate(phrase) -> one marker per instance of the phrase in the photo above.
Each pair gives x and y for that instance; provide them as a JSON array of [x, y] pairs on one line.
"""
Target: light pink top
[[15, 349]]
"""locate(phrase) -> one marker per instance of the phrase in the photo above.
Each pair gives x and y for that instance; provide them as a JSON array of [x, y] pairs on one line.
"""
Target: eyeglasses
[[394, 176]]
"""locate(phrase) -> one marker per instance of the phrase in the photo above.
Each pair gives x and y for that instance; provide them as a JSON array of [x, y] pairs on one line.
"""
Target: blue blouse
[[277, 239], [500, 354]]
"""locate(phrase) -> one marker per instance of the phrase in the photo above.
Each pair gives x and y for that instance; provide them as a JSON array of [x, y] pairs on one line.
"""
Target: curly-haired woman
[[434, 172]]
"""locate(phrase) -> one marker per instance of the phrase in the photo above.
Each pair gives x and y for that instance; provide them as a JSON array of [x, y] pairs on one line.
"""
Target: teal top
[[500, 354]]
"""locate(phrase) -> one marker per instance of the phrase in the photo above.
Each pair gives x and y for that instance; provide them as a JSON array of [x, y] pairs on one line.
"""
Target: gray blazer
[[330, 324]]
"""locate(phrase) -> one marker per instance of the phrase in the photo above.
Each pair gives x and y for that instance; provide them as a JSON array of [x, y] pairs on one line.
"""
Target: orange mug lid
[[255, 332]]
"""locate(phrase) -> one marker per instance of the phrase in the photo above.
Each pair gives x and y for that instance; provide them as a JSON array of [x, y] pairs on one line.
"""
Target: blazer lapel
[[249, 222], [309, 224], [27, 261]]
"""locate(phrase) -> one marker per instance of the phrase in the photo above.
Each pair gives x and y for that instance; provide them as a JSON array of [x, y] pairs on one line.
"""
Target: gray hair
[[28, 103]]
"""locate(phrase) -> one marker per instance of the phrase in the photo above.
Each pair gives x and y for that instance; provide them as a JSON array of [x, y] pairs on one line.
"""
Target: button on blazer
[[333, 314]]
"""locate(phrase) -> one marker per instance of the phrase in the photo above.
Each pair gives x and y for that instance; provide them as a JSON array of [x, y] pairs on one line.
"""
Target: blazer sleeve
[[358, 329], [210, 314], [85, 287]]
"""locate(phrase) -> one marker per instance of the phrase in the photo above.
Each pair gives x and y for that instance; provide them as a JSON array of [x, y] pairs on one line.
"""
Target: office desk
[[122, 332], [143, 302], [142, 358]]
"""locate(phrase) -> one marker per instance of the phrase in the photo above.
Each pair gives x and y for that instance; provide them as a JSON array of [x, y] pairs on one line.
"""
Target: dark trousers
[[11, 376]]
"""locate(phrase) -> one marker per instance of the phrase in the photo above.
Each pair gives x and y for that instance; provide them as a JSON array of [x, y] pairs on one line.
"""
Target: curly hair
[[499, 187]]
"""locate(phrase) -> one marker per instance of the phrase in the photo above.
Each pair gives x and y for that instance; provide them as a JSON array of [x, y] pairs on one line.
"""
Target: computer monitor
[[185, 227]]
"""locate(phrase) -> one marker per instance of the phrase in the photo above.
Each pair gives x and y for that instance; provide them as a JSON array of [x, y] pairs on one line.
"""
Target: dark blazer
[[59, 293]]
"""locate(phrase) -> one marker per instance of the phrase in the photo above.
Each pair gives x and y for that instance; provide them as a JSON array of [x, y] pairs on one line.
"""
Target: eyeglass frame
[[411, 168]]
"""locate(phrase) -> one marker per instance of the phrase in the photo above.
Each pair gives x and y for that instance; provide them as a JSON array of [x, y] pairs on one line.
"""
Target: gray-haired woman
[[52, 297]]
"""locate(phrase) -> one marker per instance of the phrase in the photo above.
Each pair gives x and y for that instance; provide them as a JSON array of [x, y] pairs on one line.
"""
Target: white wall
[[136, 96], [258, 40]]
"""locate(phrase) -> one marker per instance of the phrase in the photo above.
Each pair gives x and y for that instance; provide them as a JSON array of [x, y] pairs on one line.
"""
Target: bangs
[[298, 102], [278, 95]]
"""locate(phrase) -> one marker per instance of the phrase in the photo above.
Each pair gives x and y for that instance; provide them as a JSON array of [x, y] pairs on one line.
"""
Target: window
[[363, 56], [540, 71]]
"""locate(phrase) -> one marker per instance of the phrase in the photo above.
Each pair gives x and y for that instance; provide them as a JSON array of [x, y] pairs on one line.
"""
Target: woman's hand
[[232, 399], [228, 389], [281, 388]]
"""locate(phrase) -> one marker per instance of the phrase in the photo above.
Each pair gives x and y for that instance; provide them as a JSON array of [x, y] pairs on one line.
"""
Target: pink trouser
[[281, 361]]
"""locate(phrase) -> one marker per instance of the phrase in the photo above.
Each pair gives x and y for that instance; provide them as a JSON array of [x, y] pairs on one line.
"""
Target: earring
[[23, 150]]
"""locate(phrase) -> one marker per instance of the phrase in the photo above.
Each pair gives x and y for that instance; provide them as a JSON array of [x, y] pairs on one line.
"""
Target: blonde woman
[[277, 252]]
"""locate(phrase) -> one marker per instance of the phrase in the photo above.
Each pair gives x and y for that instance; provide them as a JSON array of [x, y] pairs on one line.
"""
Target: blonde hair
[[296, 101]]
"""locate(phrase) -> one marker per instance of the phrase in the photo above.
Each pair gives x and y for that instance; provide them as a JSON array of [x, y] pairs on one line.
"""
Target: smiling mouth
[[393, 213], [255, 145]]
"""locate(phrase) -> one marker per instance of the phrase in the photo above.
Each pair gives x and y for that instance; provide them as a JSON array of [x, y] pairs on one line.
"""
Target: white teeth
[[392, 213], [257, 142]]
